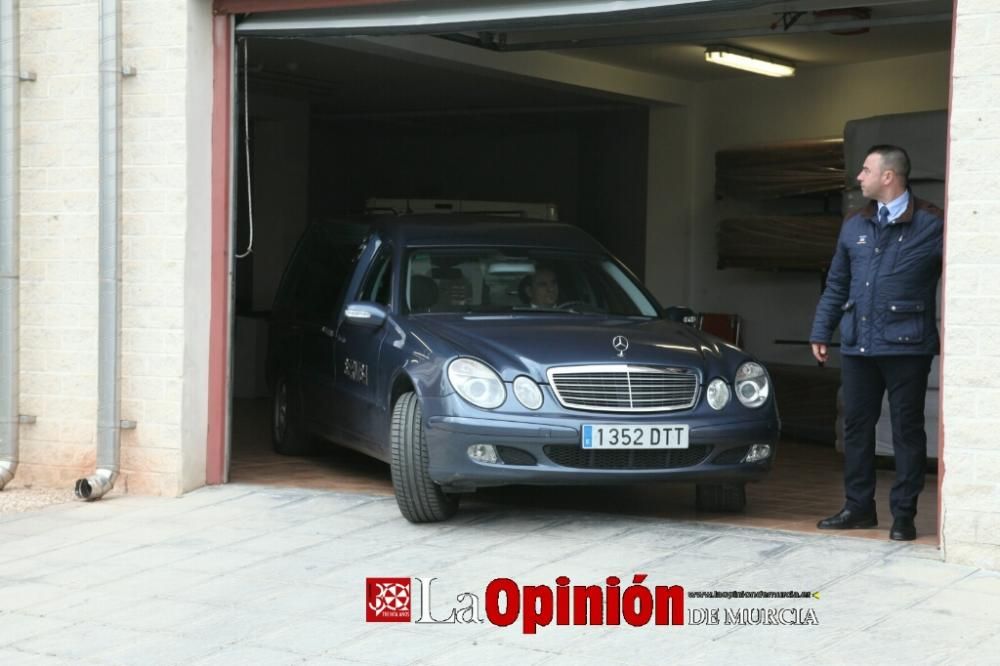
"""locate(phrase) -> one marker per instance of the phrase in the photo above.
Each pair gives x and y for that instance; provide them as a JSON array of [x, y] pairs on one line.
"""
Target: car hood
[[515, 344]]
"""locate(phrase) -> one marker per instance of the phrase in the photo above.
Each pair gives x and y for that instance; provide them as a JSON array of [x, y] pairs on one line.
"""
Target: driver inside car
[[543, 288]]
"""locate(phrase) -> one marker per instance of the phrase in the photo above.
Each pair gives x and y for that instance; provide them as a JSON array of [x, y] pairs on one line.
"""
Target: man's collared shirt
[[896, 207]]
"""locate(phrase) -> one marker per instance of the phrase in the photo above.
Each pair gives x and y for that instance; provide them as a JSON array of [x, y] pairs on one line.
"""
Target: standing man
[[882, 289]]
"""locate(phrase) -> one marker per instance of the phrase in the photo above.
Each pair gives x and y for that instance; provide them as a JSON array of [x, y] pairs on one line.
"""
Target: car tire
[[287, 434], [721, 498], [420, 500]]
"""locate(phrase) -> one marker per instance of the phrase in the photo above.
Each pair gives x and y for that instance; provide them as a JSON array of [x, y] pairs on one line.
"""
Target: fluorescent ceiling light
[[748, 61]]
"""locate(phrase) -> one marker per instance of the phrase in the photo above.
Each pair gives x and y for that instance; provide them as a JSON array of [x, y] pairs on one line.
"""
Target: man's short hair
[[894, 158], [539, 268]]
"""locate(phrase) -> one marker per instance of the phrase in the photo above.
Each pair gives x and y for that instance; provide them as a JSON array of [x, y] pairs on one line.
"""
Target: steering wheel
[[569, 305]]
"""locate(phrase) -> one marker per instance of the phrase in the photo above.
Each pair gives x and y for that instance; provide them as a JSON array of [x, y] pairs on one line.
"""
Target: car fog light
[[717, 394], [484, 453], [757, 453]]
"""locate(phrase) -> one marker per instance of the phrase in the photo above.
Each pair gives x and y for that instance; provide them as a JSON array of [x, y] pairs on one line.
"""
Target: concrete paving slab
[[297, 600], [157, 582], [250, 655], [764, 576], [162, 648], [83, 641], [948, 630], [666, 539], [985, 582], [487, 655], [742, 547], [20, 595], [696, 569], [844, 559], [78, 605], [963, 604], [875, 648], [310, 638], [16, 627], [224, 589], [156, 615], [394, 646], [21, 658], [920, 571]]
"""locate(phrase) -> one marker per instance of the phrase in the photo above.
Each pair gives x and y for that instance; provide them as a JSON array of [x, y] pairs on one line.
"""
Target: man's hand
[[820, 352]]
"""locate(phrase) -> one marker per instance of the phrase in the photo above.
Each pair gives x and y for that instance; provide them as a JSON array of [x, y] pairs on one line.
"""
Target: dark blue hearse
[[471, 351]]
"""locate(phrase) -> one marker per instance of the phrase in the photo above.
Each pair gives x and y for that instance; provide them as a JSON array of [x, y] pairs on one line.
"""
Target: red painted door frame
[[218, 345]]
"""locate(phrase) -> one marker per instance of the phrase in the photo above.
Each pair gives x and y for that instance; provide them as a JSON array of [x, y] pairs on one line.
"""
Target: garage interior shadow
[[804, 485]]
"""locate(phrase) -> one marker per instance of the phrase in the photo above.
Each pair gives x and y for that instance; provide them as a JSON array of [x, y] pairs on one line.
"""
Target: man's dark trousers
[[865, 380]]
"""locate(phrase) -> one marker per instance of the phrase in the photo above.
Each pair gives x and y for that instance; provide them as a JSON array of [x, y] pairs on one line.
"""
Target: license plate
[[618, 436]]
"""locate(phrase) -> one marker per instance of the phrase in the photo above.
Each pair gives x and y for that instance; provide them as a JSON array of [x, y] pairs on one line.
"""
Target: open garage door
[[611, 106]]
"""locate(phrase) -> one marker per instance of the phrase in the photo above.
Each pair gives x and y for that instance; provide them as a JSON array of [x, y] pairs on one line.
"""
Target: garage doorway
[[383, 99]]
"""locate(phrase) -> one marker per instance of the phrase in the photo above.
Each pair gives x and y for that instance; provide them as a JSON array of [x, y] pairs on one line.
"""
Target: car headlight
[[527, 392], [477, 383], [752, 386], [717, 394]]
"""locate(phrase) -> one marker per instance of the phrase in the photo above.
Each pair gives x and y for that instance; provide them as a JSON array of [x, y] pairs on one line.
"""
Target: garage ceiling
[[670, 45], [353, 82]]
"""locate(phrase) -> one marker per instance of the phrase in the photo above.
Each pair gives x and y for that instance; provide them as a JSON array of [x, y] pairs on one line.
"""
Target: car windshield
[[506, 280]]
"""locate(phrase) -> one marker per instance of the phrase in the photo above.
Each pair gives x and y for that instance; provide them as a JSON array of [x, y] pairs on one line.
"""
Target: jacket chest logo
[[863, 239]]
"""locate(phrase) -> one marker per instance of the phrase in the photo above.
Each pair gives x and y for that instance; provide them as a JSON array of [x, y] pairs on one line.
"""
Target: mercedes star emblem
[[620, 343]]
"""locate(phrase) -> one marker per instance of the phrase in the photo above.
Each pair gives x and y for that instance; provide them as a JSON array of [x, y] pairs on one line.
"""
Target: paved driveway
[[244, 575]]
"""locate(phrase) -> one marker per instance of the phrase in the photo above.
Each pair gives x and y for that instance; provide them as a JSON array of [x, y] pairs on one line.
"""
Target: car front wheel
[[721, 498], [420, 500]]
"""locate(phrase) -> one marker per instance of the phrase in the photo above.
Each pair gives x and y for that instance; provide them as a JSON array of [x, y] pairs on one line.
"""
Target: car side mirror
[[363, 313], [681, 314]]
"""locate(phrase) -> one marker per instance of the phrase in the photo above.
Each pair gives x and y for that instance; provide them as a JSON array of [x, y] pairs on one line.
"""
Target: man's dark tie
[[883, 215]]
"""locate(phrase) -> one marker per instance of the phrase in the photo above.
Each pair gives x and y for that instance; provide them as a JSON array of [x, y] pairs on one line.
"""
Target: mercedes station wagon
[[475, 351]]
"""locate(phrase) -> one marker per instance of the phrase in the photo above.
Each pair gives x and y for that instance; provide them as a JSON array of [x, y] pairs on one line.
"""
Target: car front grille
[[579, 458], [624, 388]]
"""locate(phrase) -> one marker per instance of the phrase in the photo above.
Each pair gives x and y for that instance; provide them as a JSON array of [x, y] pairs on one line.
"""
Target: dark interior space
[[590, 163]]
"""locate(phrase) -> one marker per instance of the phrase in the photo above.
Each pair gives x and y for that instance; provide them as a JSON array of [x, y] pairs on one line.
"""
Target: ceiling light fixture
[[749, 61]]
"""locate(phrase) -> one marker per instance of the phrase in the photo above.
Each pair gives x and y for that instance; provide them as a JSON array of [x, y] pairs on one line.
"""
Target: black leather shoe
[[849, 520], [903, 529]]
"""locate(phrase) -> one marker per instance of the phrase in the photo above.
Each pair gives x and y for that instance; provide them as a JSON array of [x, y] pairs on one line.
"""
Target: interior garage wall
[[669, 200], [280, 181], [814, 104]]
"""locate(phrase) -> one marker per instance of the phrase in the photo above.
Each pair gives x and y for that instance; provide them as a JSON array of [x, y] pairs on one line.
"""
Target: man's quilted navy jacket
[[882, 284]]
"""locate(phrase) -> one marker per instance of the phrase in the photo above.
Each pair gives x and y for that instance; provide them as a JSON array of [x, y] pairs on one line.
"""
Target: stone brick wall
[[971, 347], [59, 230], [58, 317]]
